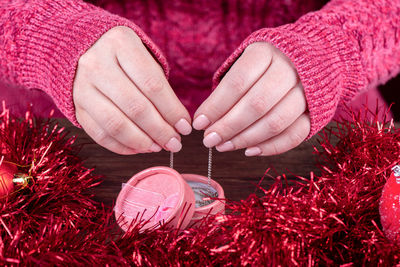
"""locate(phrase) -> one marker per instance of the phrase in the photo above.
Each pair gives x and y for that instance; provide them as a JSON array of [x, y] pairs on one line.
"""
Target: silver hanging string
[[171, 160], [209, 166]]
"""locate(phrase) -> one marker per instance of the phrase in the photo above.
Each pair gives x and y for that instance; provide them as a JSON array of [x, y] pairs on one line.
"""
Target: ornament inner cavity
[[203, 193]]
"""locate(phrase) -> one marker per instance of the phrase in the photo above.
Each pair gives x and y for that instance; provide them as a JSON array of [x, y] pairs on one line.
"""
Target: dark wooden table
[[237, 173]]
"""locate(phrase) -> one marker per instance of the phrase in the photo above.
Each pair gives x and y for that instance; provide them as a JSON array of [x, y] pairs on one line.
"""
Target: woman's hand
[[123, 100], [259, 105]]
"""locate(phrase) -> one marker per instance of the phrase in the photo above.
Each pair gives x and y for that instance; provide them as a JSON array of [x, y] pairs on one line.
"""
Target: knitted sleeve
[[338, 51], [41, 42]]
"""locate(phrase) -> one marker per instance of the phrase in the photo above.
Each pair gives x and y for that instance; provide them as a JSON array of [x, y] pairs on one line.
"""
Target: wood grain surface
[[237, 173]]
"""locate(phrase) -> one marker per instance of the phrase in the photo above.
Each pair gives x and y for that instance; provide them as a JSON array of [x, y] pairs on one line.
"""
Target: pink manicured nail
[[201, 122], [252, 151], [212, 139], [183, 127], [173, 145], [225, 146], [155, 148]]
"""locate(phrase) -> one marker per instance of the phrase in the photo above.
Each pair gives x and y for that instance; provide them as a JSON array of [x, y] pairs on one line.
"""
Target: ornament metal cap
[[396, 170]]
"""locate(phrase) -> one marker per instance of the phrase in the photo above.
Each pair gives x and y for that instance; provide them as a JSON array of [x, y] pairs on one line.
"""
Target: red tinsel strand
[[331, 219], [57, 203]]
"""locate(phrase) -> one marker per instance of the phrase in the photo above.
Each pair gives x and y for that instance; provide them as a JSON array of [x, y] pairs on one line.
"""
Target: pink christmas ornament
[[161, 195]]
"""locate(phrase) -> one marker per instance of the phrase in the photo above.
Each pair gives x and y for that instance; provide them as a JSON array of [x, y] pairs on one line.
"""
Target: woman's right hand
[[122, 97]]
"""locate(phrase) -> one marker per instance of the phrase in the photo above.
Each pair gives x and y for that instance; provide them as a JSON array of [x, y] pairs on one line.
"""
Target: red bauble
[[389, 206], [7, 172]]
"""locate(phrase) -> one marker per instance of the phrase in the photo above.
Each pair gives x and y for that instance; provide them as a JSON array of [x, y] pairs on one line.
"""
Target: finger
[[237, 81], [124, 94], [293, 136], [100, 136], [267, 92], [112, 120], [148, 76], [281, 116]]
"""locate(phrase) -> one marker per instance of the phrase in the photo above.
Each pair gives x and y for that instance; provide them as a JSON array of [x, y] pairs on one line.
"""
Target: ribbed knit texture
[[344, 48]]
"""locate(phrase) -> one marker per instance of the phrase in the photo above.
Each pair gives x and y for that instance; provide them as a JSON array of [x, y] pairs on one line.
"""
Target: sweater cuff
[[325, 58], [55, 37]]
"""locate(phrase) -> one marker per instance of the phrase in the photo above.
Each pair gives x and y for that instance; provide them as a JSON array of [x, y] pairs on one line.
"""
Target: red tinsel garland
[[328, 219]]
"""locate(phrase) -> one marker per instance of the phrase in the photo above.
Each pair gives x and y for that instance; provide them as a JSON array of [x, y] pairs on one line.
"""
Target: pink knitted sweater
[[342, 49]]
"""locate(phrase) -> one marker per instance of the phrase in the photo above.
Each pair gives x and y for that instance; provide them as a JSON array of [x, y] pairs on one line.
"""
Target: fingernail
[[173, 145], [252, 151], [225, 146], [201, 122], [155, 148], [183, 127], [212, 139]]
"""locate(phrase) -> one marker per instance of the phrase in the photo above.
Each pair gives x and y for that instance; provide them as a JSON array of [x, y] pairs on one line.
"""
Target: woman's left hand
[[259, 105]]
